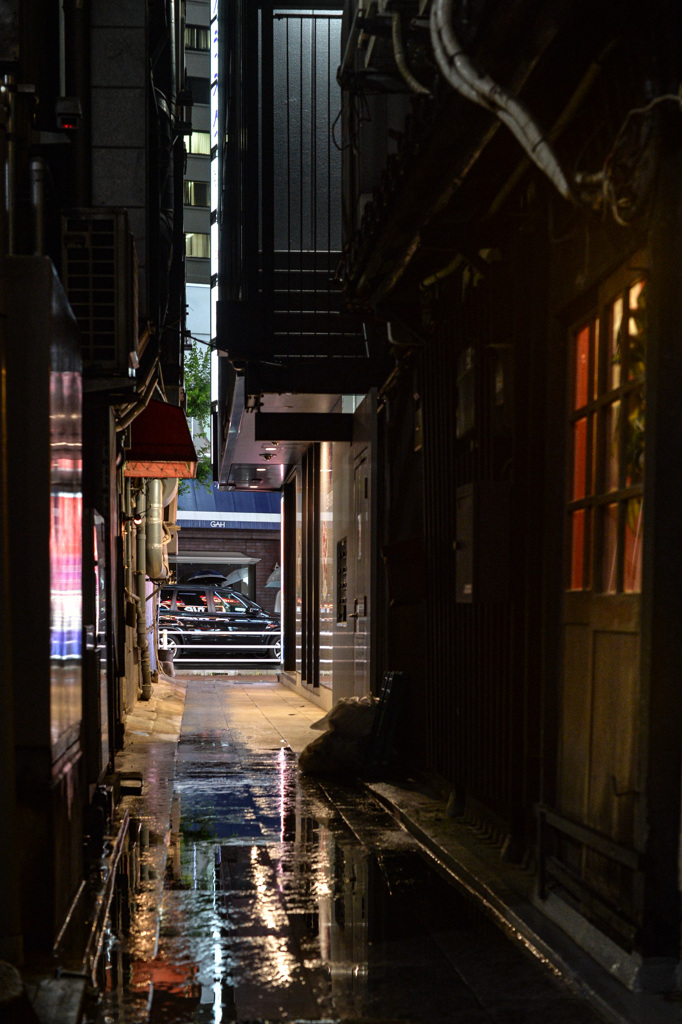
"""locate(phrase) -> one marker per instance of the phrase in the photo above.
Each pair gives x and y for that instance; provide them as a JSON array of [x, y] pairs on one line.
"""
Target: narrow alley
[[247, 891], [340, 344]]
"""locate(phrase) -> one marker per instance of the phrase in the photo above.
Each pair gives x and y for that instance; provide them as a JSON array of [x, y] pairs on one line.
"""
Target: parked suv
[[209, 624]]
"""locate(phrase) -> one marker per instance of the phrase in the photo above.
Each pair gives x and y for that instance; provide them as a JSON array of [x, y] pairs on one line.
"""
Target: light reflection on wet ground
[[274, 910]]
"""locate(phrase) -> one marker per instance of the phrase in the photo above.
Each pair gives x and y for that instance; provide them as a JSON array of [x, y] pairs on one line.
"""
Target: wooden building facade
[[530, 559]]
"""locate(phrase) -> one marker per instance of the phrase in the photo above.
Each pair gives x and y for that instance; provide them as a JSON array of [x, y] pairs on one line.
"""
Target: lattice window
[[607, 432]]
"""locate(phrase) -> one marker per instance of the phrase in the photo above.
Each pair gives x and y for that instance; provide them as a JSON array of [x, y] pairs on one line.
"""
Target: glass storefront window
[[66, 554], [299, 571]]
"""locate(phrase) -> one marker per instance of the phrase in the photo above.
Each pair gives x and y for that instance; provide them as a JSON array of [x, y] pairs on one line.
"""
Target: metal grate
[[475, 682], [301, 186], [281, 210], [308, 316]]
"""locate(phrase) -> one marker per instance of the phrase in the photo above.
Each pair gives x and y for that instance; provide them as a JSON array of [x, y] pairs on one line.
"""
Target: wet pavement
[[276, 898]]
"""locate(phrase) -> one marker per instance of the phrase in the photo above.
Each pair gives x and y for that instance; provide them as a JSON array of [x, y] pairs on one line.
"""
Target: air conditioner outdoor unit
[[99, 273]]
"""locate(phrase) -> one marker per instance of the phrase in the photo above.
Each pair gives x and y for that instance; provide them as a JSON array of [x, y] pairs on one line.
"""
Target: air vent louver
[[99, 276]]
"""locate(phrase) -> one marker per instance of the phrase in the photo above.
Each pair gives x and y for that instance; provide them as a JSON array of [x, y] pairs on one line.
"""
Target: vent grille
[[98, 271]]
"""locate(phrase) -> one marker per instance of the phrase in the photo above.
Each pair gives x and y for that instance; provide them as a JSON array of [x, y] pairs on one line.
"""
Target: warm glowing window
[[198, 143], [607, 432], [198, 245], [197, 193], [197, 37]]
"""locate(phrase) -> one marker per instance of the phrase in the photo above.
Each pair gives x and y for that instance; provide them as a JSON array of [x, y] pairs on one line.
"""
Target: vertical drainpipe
[[4, 166], [119, 699], [38, 174], [128, 550], [172, 33], [9, 167], [77, 82], [156, 569], [141, 588]]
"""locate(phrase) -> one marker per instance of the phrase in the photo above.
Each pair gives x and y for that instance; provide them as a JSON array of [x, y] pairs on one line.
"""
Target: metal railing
[[185, 642]]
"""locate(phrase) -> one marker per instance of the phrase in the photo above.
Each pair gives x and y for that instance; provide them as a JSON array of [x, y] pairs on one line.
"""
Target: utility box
[[482, 542]]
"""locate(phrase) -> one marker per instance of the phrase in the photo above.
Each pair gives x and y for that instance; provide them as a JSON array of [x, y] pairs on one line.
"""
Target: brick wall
[[261, 544]]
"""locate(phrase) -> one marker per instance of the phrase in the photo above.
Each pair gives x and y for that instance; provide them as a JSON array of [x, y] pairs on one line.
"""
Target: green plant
[[204, 477], [197, 384]]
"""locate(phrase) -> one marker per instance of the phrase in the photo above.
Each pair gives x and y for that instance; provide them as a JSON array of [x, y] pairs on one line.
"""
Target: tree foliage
[[197, 384], [204, 477]]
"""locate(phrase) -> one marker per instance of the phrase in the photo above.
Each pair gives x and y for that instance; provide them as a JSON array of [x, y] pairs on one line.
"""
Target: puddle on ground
[[272, 909]]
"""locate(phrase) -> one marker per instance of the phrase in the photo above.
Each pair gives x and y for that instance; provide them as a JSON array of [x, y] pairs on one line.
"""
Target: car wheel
[[275, 649], [170, 642]]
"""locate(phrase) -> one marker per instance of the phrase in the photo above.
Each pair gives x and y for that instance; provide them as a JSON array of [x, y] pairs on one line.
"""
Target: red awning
[[160, 444]]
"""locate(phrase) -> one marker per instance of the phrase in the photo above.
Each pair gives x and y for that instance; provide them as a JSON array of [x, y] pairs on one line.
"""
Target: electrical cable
[[400, 58], [359, 114], [478, 87], [132, 412], [605, 177]]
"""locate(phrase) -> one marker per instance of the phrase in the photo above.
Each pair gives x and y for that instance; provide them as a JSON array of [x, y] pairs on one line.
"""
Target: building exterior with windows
[[236, 533], [197, 187], [92, 123], [197, 194]]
